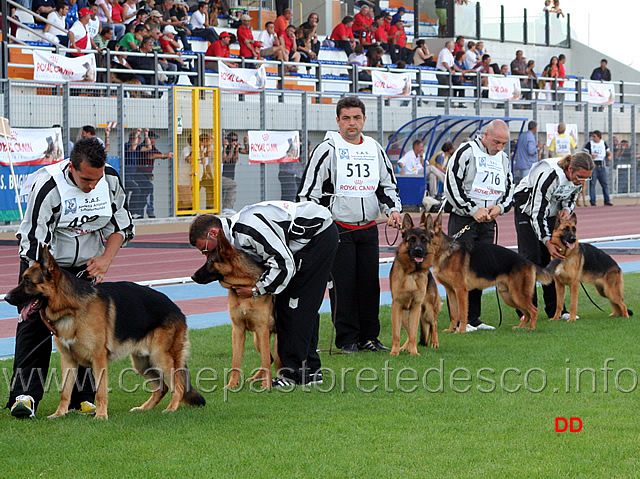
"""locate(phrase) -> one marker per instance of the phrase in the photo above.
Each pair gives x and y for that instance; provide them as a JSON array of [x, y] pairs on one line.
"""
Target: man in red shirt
[[220, 48], [459, 45], [245, 38], [380, 34], [398, 43], [361, 21], [288, 37], [342, 35], [282, 22]]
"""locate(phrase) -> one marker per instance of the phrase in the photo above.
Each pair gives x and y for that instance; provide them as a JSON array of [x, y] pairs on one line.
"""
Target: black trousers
[[355, 296], [32, 355], [297, 317], [535, 251], [477, 233]]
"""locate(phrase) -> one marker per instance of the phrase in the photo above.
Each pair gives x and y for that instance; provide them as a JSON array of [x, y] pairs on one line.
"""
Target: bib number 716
[[491, 178]]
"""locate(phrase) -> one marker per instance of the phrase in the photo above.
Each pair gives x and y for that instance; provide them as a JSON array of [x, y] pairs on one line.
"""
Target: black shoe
[[608, 204], [314, 378], [350, 348], [151, 215], [283, 382], [372, 345], [593, 204]]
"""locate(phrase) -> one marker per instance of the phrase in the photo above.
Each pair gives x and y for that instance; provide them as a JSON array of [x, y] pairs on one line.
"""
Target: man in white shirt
[[412, 163], [445, 64], [199, 24], [272, 46]]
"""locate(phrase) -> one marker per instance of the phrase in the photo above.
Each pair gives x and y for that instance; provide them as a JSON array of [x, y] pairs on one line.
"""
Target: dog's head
[[37, 285], [565, 234], [416, 239], [219, 264]]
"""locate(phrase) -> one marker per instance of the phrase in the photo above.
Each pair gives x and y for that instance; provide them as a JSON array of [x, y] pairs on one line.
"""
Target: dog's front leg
[[396, 324], [462, 295], [99, 366], [454, 314], [573, 290], [412, 329], [238, 334], [560, 291], [69, 372]]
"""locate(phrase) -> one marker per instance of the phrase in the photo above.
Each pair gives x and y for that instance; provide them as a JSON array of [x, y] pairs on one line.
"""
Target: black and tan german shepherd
[[414, 291], [461, 267], [235, 268], [587, 264], [97, 324]]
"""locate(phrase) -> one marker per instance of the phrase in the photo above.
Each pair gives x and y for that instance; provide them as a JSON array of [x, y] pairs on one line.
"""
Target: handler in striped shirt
[[296, 243], [550, 190]]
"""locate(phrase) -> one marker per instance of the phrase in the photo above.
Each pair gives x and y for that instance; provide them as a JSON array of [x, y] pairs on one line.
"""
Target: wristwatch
[[255, 292]]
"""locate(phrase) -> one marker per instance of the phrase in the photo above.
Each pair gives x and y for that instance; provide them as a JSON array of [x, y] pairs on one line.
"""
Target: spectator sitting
[[172, 14], [459, 45], [116, 12], [102, 40], [519, 65], [374, 60], [93, 27], [119, 62], [154, 20], [156, 35], [200, 26], [304, 48], [480, 49], [381, 36], [72, 13], [440, 159], [398, 40], [105, 9], [142, 16], [367, 37], [342, 35], [310, 35], [357, 57], [144, 62], [171, 47], [78, 35], [283, 21], [129, 11], [288, 38], [132, 40], [245, 39], [43, 8], [422, 56], [504, 70], [55, 30], [272, 45], [398, 15], [458, 78], [220, 48], [601, 73], [361, 22]]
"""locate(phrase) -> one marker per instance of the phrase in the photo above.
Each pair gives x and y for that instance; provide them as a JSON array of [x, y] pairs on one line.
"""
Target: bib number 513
[[351, 170]]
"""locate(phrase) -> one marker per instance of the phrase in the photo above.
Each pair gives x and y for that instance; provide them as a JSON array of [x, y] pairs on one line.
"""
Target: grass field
[[487, 409]]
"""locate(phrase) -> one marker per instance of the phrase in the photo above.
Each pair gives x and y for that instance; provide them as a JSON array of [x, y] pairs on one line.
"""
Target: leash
[[590, 299], [497, 294]]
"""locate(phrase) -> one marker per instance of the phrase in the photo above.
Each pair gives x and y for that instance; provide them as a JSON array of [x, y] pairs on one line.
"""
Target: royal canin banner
[[390, 84], [32, 146], [602, 93], [57, 68], [504, 88], [244, 79], [274, 146]]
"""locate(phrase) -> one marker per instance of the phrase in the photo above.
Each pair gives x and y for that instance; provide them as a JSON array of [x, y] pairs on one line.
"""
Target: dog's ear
[[437, 225], [407, 222], [423, 219], [428, 224], [224, 247], [47, 261], [573, 218]]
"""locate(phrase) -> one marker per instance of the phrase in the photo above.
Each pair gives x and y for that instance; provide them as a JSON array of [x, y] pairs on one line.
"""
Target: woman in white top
[[129, 10], [55, 30]]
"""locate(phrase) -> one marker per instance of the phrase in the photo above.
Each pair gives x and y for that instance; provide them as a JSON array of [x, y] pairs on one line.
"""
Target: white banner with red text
[[504, 88], [385, 83], [51, 67], [244, 79], [274, 146], [602, 93]]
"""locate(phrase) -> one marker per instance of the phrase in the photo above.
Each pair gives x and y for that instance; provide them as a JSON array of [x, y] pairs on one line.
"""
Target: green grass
[[386, 433]]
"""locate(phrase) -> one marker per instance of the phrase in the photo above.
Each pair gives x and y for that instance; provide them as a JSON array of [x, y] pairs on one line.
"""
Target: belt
[[598, 163]]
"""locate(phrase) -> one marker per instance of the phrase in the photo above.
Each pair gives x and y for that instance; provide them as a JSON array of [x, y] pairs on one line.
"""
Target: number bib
[[82, 213], [563, 146], [357, 165], [598, 150], [490, 180]]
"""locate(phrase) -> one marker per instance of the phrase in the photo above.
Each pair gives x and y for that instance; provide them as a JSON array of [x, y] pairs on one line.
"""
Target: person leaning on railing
[[56, 29]]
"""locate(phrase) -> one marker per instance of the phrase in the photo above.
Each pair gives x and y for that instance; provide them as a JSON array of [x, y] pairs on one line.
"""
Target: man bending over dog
[[478, 188], [296, 242], [73, 205]]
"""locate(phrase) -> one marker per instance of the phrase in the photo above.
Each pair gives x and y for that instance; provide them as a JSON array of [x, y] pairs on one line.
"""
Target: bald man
[[479, 187]]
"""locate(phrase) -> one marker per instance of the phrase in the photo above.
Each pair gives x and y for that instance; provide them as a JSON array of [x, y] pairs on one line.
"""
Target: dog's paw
[[448, 330], [394, 353], [102, 416], [56, 415], [435, 345]]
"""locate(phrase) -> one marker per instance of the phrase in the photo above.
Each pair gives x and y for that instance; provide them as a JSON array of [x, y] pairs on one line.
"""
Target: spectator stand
[[433, 131]]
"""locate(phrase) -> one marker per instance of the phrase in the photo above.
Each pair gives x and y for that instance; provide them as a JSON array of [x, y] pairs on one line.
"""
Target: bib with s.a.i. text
[[358, 172], [490, 180]]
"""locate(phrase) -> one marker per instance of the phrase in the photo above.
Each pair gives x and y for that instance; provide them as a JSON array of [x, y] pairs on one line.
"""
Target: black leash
[[497, 294], [590, 299]]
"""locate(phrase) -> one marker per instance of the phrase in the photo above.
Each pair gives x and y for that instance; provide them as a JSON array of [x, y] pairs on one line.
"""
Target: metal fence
[[30, 104]]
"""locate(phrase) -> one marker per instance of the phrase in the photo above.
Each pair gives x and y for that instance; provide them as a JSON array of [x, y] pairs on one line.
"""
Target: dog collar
[[47, 323]]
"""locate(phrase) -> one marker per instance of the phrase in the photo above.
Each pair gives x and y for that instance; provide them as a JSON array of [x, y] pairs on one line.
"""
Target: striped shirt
[[461, 172], [272, 232], [547, 193], [43, 214], [319, 185]]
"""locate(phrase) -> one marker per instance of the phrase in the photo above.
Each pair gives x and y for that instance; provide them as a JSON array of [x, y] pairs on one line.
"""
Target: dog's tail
[[191, 396], [545, 275]]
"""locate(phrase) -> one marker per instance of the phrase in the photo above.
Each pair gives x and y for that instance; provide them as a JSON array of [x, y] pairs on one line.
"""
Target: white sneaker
[[470, 329], [486, 327], [23, 407], [565, 316]]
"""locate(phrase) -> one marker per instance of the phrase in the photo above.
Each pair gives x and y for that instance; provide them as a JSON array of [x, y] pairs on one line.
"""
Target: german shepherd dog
[[235, 268], [461, 267], [587, 264], [414, 291], [106, 322]]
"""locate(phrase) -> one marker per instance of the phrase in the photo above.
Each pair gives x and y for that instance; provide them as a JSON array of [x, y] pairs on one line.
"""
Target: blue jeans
[[600, 175]]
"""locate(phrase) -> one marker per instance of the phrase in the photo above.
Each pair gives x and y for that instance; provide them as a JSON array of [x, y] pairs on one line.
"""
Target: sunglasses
[[206, 250]]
